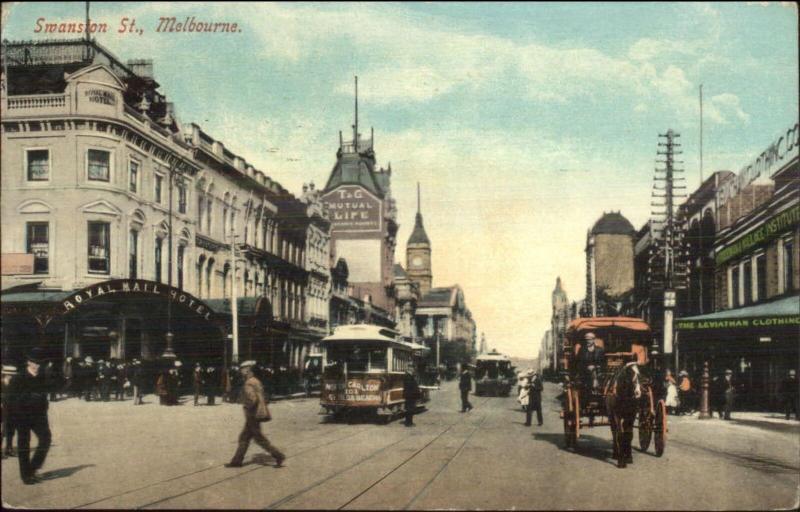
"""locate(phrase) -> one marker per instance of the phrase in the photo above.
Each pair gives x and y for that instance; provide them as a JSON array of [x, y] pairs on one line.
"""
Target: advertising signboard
[[353, 209]]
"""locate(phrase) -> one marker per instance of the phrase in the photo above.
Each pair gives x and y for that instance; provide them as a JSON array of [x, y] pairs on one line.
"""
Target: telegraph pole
[[670, 242], [169, 352]]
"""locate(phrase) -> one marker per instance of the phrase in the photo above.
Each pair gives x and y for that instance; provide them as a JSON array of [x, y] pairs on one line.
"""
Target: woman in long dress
[[671, 400]]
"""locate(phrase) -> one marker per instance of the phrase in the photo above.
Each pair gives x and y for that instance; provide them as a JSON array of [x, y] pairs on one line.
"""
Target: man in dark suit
[[534, 399], [29, 412], [410, 395], [255, 411], [789, 394], [465, 386]]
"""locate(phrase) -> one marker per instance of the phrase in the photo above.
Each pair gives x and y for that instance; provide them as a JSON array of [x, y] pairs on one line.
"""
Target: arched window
[[200, 264], [209, 273], [225, 275]]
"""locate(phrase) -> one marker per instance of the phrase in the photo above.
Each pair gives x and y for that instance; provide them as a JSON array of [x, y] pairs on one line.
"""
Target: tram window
[[358, 360], [377, 359]]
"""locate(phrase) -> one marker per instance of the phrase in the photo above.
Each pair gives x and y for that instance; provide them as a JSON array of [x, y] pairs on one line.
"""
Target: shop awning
[[782, 312], [246, 306]]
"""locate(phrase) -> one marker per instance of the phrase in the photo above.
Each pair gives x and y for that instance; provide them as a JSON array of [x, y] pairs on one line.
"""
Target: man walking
[[29, 413], [410, 395], [197, 381], [137, 381], [534, 398], [255, 412], [465, 386]]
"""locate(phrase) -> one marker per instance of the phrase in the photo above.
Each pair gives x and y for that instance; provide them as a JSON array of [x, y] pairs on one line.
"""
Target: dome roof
[[612, 223]]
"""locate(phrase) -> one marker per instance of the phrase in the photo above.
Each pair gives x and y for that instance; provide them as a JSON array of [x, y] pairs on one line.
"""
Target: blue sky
[[523, 122]]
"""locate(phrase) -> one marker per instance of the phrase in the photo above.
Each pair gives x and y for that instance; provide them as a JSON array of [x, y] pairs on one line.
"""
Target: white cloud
[[730, 103]]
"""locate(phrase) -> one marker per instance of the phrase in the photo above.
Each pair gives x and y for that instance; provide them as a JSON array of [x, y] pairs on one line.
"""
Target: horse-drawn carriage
[[617, 391]]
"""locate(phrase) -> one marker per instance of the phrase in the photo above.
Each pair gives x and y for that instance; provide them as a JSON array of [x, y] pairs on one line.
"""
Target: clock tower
[[418, 254]]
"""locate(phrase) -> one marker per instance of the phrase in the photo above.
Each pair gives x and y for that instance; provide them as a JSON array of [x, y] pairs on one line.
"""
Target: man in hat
[[410, 394], [10, 374], [211, 382], [534, 398], [465, 386], [790, 393], [254, 404], [684, 392], [29, 413], [590, 360], [137, 381], [197, 381], [726, 391]]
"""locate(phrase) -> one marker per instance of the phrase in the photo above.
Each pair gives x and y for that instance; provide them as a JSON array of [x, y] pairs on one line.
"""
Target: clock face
[[416, 261]]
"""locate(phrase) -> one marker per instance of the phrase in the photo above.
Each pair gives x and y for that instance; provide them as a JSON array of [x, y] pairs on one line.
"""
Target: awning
[[782, 312], [246, 306]]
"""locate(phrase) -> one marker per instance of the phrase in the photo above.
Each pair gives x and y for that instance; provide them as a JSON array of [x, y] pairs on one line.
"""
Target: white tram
[[363, 369]]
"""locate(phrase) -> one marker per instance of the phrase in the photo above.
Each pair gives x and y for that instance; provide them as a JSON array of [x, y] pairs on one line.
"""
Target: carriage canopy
[[617, 334]]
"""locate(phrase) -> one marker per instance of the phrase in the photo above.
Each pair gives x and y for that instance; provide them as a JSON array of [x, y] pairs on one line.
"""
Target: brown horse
[[623, 398]]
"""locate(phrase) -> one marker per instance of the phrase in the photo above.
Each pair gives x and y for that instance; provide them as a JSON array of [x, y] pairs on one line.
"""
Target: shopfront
[[758, 343]]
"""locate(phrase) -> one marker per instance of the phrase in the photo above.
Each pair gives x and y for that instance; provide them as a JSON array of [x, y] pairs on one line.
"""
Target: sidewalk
[[770, 421]]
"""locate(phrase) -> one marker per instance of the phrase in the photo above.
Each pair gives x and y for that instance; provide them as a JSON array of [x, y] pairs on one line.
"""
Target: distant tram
[[363, 369], [494, 374]]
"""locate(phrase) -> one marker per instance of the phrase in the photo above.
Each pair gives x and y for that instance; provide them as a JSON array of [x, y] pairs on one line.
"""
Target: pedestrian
[[10, 374], [254, 403], [211, 383], [726, 395], [103, 380], [534, 398], [789, 395], [197, 381], [137, 381], [465, 386], [173, 383], [684, 393], [410, 395], [161, 387], [671, 400], [29, 413], [119, 383], [68, 371], [50, 378]]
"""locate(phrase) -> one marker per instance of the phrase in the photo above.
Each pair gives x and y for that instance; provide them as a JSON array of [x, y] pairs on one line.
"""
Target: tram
[[363, 370], [494, 374]]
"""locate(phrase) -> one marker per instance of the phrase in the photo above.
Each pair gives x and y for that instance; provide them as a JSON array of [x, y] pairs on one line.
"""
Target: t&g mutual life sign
[[354, 209]]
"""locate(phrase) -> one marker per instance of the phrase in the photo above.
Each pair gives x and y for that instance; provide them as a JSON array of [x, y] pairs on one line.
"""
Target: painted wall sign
[[738, 323], [101, 96], [353, 209], [768, 162], [138, 286], [768, 231]]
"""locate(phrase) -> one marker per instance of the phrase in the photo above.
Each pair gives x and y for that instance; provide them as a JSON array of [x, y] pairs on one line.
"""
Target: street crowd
[[28, 390]]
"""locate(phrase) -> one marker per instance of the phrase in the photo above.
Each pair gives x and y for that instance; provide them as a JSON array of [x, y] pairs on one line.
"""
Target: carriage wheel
[[660, 428], [570, 428], [646, 424]]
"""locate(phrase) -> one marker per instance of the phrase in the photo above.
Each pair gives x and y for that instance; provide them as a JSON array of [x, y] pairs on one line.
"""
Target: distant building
[[609, 265], [418, 254], [443, 313], [363, 219]]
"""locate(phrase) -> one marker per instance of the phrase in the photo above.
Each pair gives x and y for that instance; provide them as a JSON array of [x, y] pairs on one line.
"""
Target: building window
[[159, 186], [747, 285], [200, 205], [99, 163], [233, 223], [735, 287], [224, 223], [761, 277], [158, 251], [181, 198], [38, 164], [788, 265], [133, 176], [181, 250], [209, 204], [38, 244], [99, 247], [133, 254]]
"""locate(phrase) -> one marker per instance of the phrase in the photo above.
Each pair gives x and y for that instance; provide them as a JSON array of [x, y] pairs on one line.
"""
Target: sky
[[523, 123]]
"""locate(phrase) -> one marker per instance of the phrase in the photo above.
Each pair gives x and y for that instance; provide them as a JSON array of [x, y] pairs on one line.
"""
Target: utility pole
[[234, 300], [669, 252], [169, 353]]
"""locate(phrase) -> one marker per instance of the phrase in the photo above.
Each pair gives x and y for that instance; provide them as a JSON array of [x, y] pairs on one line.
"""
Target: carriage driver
[[590, 360]]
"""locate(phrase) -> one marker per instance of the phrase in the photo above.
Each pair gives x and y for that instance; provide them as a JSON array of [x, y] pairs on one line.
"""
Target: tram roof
[[492, 357], [363, 332]]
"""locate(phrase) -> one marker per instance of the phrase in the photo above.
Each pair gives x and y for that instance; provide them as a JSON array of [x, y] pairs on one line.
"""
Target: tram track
[[322, 481], [215, 466]]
